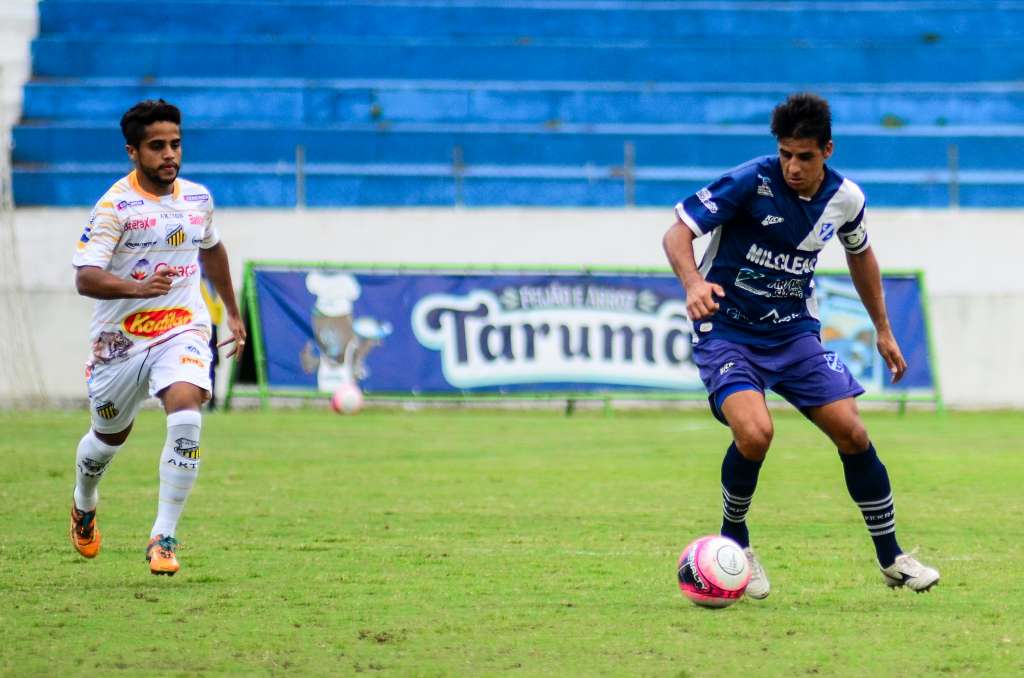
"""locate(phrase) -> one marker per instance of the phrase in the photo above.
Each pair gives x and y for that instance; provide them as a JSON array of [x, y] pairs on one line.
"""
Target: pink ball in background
[[348, 399]]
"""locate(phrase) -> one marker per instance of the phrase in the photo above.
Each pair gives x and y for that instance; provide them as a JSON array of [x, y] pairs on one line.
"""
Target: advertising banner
[[463, 332]]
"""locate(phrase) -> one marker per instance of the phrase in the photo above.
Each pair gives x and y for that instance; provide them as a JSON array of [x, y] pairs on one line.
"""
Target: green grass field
[[467, 542]]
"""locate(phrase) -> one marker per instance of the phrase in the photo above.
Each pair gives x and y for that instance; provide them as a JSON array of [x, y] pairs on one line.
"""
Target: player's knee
[[853, 439], [754, 438], [113, 438]]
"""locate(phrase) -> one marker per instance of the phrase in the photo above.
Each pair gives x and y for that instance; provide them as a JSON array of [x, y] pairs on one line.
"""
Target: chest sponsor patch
[[153, 323]]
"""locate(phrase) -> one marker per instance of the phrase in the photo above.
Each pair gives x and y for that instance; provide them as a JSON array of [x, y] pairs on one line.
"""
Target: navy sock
[[868, 483], [739, 480]]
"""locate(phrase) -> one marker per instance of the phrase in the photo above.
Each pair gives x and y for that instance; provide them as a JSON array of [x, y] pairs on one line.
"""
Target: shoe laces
[[911, 565], [166, 546], [756, 571], [85, 523]]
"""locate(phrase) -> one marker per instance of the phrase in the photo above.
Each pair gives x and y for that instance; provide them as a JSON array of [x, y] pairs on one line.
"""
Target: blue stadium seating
[[539, 99]]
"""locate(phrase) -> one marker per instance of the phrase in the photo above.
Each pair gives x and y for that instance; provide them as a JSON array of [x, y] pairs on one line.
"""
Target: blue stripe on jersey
[[765, 246]]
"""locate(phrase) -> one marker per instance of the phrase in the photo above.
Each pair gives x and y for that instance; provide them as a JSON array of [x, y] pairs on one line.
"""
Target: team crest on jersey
[[107, 410], [175, 235], [764, 188], [828, 230]]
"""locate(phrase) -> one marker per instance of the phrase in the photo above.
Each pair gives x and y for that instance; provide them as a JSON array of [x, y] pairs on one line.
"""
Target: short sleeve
[[210, 234], [717, 203], [100, 236]]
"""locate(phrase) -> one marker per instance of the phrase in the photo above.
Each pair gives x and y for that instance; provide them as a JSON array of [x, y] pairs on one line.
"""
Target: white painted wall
[[970, 258]]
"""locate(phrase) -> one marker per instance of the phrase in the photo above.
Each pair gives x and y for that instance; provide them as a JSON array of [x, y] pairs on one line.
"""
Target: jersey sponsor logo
[[744, 278], [763, 256], [186, 271], [125, 204], [152, 323], [106, 410], [196, 219], [771, 220], [86, 235], [764, 188], [197, 197], [140, 270], [132, 245], [175, 235], [140, 224], [791, 287], [704, 195], [189, 360], [186, 447], [777, 319], [828, 229]]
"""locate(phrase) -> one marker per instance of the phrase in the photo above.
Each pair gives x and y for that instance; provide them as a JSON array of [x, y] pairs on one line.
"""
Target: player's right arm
[[95, 250], [94, 282], [678, 244]]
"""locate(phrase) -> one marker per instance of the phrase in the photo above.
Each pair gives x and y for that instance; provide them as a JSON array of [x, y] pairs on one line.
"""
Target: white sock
[[179, 467], [90, 463]]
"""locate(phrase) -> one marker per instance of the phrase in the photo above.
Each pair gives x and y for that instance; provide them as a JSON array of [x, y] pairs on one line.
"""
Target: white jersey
[[133, 234]]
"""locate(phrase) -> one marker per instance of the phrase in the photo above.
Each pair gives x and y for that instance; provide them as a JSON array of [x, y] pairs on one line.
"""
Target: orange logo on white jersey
[[153, 323]]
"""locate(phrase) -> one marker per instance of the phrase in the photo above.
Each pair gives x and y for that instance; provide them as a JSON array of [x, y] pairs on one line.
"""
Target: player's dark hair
[[145, 113], [803, 116]]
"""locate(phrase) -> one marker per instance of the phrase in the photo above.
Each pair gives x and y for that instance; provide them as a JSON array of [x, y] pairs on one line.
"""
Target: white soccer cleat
[[758, 587], [908, 571]]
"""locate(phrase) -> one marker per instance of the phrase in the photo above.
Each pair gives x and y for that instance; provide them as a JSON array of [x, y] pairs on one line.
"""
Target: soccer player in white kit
[[140, 258]]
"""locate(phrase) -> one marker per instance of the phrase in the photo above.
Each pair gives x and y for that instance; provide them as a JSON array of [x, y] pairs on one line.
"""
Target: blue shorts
[[801, 371]]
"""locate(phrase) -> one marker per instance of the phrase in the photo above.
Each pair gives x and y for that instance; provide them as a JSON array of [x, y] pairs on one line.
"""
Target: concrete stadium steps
[[647, 22], [291, 102], [434, 185], [785, 61], [654, 145]]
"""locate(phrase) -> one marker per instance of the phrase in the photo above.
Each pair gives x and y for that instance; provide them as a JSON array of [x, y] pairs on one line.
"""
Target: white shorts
[[117, 390]]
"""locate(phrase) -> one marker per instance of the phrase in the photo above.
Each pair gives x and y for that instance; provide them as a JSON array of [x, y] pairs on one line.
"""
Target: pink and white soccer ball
[[348, 399], [713, 571]]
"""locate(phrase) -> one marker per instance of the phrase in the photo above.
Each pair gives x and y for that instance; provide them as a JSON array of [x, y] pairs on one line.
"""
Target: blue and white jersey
[[764, 246]]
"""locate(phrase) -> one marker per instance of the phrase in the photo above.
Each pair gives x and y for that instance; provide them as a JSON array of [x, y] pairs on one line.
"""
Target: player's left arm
[[214, 261], [867, 278]]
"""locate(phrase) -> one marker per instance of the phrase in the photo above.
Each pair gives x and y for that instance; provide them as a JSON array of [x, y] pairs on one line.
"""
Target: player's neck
[[152, 187], [813, 189]]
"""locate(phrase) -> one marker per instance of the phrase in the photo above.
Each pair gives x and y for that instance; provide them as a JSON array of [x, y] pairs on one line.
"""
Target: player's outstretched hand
[[892, 355], [237, 328], [700, 299], [157, 285]]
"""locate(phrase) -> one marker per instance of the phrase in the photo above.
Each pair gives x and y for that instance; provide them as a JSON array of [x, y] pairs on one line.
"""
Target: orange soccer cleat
[[160, 554], [85, 533]]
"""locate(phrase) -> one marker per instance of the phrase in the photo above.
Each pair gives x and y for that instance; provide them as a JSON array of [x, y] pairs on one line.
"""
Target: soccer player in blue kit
[[755, 323]]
